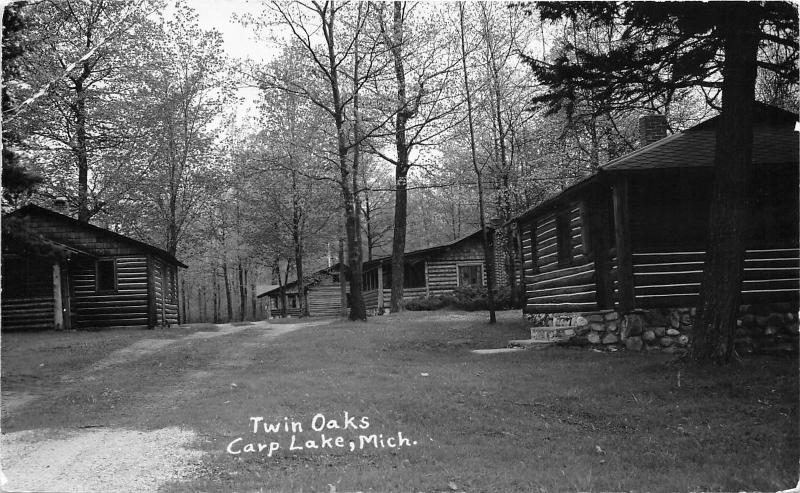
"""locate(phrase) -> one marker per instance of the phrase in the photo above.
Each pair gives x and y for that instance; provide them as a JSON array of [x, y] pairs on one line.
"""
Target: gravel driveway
[[100, 459]]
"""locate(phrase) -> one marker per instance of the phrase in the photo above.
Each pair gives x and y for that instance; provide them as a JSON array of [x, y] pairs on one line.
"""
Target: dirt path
[[110, 459]]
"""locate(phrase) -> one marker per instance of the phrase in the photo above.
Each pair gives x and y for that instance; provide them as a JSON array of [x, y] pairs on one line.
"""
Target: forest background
[[352, 129]]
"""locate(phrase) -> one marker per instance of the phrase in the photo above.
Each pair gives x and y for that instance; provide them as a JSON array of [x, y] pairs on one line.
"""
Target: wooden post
[[66, 296], [380, 289], [427, 284], [627, 301], [58, 307], [598, 218]]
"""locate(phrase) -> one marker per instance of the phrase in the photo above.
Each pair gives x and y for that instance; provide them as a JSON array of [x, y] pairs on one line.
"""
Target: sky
[[239, 41]]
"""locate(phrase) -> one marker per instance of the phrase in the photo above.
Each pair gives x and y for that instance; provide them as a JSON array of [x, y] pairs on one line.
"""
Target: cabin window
[[564, 240], [470, 275], [370, 280], [106, 275], [414, 275]]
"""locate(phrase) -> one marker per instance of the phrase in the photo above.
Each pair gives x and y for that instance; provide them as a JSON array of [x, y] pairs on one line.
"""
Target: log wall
[[127, 307], [669, 279], [371, 299], [27, 301], [551, 287], [443, 274], [165, 293], [325, 299], [28, 313]]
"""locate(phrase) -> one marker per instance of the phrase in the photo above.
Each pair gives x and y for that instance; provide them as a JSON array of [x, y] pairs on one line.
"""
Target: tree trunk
[[368, 222], [399, 240], [297, 240], [200, 307], [81, 153], [487, 251], [242, 292], [184, 302], [228, 296], [256, 315], [396, 42], [215, 308], [348, 174], [342, 278], [720, 290]]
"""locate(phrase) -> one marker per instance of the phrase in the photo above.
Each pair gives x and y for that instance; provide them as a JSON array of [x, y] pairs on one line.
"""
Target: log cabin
[[323, 292], [61, 273], [430, 271], [631, 236]]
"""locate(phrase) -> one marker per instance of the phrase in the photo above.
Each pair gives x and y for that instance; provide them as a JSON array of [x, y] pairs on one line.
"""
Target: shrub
[[425, 304], [468, 298]]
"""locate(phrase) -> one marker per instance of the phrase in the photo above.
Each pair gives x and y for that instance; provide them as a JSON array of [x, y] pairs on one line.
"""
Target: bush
[[425, 304], [468, 298]]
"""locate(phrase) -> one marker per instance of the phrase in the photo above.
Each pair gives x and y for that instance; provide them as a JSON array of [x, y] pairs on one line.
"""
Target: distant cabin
[[61, 273], [632, 235], [431, 271], [323, 293]]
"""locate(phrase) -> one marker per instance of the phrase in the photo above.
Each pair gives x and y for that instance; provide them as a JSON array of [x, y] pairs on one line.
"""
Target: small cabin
[[61, 273], [322, 291], [632, 235], [431, 271]]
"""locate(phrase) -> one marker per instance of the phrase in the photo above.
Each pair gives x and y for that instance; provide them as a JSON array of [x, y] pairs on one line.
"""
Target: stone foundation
[[760, 328]]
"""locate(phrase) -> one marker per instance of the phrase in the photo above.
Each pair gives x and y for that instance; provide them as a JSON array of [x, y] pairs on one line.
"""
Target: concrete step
[[530, 344], [498, 350], [555, 333]]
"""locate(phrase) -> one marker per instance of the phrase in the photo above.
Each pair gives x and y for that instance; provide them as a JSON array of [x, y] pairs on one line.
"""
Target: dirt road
[[112, 459]]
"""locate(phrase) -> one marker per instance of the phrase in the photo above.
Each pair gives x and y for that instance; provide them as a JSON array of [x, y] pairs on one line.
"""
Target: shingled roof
[[35, 210], [775, 141]]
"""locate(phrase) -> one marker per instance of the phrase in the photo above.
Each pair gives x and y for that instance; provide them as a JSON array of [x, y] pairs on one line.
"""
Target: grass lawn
[[551, 420]]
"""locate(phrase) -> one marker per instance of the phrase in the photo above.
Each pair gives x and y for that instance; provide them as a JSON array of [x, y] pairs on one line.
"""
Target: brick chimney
[[61, 206], [652, 128]]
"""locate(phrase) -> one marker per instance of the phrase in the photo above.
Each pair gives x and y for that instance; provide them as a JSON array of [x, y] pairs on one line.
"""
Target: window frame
[[416, 271], [480, 267], [114, 271]]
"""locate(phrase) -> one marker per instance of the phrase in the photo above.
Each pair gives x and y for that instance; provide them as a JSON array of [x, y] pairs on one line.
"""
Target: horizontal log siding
[[371, 299], [443, 275], [553, 288], [125, 307], [27, 301], [673, 278], [28, 313], [408, 294], [158, 291], [168, 287], [325, 300]]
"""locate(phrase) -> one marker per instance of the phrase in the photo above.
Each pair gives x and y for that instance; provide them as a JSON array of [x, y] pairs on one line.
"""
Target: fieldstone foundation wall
[[760, 328]]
